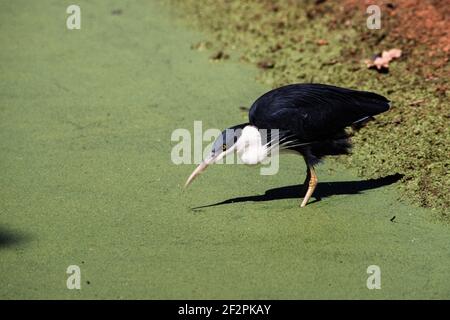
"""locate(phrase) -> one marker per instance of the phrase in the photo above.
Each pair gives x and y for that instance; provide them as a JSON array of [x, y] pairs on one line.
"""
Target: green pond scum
[[87, 182]]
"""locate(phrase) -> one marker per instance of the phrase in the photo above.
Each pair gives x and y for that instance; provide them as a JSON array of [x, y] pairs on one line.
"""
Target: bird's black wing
[[314, 111]]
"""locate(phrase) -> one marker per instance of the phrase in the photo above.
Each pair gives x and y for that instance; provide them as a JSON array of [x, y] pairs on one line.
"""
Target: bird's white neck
[[249, 146]]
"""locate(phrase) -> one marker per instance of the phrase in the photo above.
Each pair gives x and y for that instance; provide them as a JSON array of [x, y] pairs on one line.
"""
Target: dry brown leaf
[[322, 42], [382, 62]]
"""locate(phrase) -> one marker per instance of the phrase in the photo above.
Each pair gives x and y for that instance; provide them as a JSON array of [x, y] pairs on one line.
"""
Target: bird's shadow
[[323, 190]]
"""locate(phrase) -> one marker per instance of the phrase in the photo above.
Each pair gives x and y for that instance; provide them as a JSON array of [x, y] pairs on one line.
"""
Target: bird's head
[[243, 139]]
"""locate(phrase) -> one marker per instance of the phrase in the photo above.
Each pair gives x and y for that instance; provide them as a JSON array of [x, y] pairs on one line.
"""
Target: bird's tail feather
[[336, 145], [372, 103]]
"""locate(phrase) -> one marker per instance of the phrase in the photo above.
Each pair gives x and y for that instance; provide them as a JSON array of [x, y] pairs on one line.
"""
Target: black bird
[[310, 119]]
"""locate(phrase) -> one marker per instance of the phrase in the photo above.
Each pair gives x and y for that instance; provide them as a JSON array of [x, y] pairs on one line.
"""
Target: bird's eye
[[224, 147]]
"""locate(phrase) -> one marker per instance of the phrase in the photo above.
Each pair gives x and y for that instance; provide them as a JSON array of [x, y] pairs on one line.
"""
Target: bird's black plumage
[[315, 115]]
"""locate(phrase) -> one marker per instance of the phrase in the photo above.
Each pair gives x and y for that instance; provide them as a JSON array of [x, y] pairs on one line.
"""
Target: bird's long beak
[[202, 166]]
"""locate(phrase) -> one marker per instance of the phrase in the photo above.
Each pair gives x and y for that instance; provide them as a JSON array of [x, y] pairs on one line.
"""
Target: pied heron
[[311, 120]]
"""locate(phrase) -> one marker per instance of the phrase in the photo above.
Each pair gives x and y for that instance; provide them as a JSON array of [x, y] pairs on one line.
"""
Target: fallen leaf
[[382, 62], [417, 102], [266, 64], [322, 42]]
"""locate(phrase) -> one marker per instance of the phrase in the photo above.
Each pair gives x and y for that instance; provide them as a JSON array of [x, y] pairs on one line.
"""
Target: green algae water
[[86, 118]]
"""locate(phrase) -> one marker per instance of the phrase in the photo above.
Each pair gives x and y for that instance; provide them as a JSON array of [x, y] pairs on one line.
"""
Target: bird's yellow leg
[[312, 183], [308, 177]]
